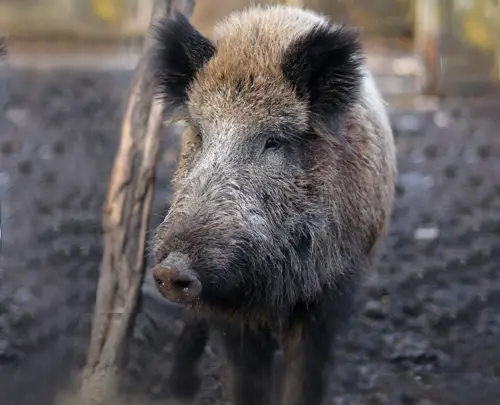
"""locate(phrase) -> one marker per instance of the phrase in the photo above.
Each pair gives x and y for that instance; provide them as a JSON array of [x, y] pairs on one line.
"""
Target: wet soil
[[427, 324]]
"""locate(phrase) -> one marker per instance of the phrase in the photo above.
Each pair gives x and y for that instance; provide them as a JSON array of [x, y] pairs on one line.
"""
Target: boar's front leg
[[309, 348], [250, 359], [184, 381]]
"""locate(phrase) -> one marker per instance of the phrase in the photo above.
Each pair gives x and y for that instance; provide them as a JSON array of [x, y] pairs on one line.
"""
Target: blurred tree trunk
[[126, 214], [459, 44]]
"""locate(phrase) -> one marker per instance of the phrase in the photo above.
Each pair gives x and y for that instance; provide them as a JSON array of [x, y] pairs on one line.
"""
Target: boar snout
[[175, 280]]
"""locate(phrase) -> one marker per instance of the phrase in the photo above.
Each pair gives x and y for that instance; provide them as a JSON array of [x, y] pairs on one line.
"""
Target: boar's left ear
[[180, 51], [325, 68]]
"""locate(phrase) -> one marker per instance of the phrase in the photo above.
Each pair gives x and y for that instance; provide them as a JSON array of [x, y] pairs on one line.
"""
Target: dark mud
[[427, 327]]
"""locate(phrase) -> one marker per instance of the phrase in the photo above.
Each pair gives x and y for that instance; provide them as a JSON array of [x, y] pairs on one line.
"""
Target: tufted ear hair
[[179, 52], [325, 68]]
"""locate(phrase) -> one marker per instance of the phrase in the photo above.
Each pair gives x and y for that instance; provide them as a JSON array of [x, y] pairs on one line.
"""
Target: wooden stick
[[428, 32], [126, 212]]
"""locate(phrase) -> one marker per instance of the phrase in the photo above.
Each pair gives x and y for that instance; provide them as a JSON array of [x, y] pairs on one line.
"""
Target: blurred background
[[427, 326]]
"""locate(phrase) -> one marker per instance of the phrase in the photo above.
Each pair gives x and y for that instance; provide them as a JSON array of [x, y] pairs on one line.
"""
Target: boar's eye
[[273, 143], [198, 136]]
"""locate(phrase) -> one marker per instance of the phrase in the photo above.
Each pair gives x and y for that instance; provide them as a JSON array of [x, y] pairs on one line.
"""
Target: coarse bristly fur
[[270, 227], [286, 176]]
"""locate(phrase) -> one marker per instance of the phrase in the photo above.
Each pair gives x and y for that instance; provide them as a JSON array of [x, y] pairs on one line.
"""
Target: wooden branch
[[126, 213], [296, 3], [3, 45]]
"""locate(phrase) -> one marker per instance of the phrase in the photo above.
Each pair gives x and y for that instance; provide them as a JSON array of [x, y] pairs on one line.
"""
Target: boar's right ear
[[325, 66], [180, 51]]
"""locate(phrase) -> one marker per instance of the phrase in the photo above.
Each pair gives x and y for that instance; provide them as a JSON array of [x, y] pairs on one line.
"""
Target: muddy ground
[[427, 327]]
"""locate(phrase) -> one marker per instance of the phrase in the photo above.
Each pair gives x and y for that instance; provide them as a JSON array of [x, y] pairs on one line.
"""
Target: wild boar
[[284, 186]]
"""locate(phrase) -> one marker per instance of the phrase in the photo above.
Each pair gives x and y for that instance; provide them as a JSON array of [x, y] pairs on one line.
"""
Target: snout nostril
[[159, 282], [181, 285], [160, 277]]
